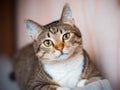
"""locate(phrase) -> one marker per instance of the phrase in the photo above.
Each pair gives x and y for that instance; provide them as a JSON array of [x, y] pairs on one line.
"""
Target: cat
[[56, 59]]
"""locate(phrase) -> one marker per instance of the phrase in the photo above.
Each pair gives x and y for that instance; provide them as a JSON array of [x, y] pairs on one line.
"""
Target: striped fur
[[37, 67]]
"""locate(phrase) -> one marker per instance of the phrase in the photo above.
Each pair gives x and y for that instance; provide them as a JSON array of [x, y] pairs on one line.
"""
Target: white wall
[[98, 20]]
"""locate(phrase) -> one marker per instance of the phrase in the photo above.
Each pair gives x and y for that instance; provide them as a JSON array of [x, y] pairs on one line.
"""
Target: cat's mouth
[[62, 54]]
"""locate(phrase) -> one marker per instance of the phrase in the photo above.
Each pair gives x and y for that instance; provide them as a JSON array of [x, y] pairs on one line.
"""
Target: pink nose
[[59, 46]]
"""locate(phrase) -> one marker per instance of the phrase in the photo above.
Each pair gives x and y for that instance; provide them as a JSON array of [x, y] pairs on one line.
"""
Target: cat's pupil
[[48, 42], [66, 36]]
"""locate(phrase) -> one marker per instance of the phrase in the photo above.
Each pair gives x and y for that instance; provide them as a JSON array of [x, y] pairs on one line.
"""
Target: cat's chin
[[59, 59], [62, 57]]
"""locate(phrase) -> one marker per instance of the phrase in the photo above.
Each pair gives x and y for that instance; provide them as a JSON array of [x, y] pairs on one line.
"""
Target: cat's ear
[[33, 29], [66, 16]]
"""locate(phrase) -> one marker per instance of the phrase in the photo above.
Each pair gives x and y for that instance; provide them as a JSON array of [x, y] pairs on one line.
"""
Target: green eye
[[47, 43], [66, 36]]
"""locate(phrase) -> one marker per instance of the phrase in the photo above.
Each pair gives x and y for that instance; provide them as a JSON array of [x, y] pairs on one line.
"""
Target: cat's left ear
[[33, 29], [66, 16]]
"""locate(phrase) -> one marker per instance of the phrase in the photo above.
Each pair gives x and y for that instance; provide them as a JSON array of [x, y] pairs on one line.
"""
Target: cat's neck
[[73, 61]]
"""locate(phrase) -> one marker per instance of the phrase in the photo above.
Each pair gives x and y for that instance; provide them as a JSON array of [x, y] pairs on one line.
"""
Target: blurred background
[[98, 21]]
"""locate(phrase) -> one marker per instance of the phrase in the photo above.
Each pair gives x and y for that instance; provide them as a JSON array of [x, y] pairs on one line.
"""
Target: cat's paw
[[62, 88], [81, 83]]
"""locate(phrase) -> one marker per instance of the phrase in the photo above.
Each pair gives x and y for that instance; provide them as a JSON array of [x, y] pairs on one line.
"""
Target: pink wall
[[98, 20]]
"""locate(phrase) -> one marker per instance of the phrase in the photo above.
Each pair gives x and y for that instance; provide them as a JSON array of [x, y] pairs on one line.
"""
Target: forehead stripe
[[48, 34], [61, 31]]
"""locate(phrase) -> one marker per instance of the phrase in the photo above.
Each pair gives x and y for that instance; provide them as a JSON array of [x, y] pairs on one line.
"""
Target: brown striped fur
[[90, 71]]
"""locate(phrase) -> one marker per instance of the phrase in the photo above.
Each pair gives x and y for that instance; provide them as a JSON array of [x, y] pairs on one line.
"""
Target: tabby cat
[[56, 60]]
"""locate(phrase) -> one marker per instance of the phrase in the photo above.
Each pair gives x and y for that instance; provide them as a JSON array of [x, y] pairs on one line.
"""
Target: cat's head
[[58, 40]]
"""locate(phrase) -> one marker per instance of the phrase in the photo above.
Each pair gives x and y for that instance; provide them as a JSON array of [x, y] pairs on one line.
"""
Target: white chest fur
[[66, 74]]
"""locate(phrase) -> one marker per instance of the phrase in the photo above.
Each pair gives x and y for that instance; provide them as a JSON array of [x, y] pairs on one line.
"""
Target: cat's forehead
[[56, 27], [55, 32]]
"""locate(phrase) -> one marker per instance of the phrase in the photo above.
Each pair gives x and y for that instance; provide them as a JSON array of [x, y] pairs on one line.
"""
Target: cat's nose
[[59, 46]]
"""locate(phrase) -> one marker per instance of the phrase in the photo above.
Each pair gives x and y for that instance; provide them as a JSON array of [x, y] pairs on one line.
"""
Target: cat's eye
[[47, 43], [66, 36]]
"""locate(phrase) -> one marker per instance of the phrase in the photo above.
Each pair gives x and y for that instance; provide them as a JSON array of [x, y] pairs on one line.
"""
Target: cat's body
[[57, 59]]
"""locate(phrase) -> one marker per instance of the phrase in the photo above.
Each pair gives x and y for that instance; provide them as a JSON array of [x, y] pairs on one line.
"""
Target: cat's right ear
[[66, 16], [33, 29]]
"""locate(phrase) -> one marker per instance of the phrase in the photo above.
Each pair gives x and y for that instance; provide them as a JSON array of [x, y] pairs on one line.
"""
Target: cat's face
[[58, 43], [58, 40]]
